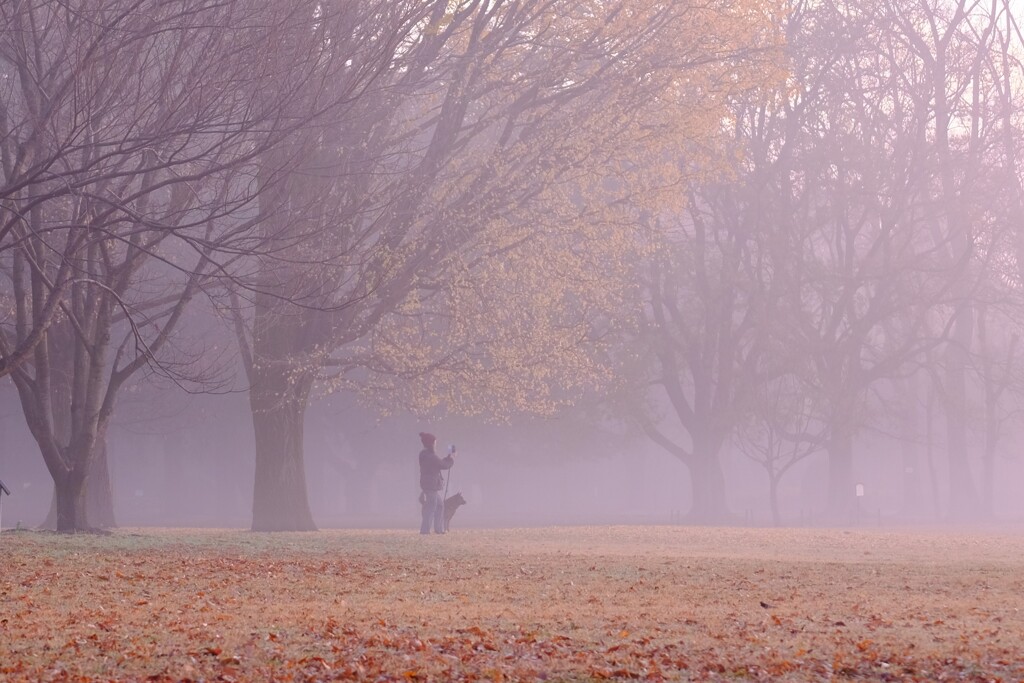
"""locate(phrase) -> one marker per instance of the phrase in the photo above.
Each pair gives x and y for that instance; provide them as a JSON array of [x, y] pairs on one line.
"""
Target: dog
[[451, 504]]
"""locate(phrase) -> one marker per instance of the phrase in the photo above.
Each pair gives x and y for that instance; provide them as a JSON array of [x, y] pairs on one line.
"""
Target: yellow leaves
[[520, 237], [506, 330]]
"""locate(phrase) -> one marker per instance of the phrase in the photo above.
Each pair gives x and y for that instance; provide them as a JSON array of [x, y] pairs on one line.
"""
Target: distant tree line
[[859, 267]]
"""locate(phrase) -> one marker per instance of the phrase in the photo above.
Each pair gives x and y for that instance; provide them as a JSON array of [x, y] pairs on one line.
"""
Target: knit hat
[[427, 439]]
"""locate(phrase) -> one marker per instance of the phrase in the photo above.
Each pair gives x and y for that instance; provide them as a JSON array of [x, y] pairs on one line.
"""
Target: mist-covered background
[[752, 262], [191, 467]]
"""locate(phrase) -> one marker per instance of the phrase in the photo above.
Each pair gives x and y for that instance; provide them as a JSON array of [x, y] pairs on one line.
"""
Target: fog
[[193, 468], [660, 263]]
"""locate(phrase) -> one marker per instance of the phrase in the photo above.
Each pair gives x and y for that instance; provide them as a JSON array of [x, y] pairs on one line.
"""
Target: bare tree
[[706, 326], [962, 55], [130, 136], [780, 433], [852, 232]]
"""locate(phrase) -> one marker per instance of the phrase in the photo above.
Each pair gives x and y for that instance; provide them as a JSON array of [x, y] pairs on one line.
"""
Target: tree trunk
[[929, 431], [708, 486], [986, 506], [842, 498], [911, 479], [773, 498], [963, 497], [278, 403], [97, 493], [69, 500], [910, 449]]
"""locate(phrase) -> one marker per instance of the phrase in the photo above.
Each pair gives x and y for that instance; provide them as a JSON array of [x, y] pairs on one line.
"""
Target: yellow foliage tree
[[462, 238]]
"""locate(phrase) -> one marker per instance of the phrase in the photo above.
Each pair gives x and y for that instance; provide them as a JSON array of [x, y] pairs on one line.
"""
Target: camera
[[451, 449]]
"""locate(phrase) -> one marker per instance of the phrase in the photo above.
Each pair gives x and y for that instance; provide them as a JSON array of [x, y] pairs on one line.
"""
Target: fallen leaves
[[487, 606]]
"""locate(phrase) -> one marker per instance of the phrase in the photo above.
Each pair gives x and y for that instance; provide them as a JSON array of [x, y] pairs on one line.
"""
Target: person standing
[[431, 483]]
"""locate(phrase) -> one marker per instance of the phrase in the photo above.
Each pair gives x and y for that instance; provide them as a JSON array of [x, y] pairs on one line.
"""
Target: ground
[[556, 604]]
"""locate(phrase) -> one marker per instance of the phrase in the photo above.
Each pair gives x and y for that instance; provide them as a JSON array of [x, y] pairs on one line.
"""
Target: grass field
[[572, 604]]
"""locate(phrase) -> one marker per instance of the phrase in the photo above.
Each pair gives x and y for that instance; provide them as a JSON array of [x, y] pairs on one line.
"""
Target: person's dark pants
[[433, 512]]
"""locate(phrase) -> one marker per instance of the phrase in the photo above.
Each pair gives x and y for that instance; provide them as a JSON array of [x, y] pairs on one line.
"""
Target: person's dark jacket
[[430, 469]]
